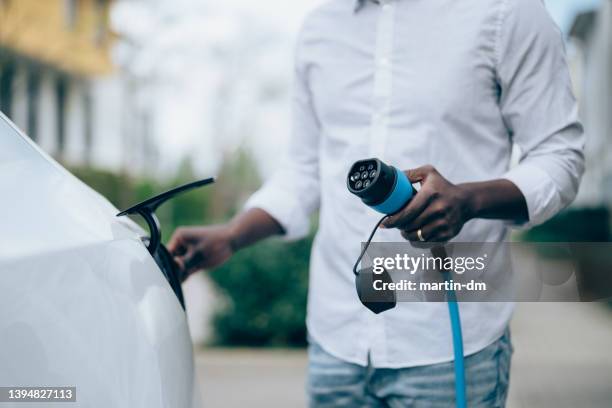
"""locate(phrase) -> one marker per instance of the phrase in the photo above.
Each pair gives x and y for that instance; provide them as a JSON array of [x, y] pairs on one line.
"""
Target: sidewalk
[[563, 359]]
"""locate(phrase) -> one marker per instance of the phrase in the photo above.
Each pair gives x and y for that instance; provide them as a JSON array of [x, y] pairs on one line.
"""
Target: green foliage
[[573, 225], [265, 288]]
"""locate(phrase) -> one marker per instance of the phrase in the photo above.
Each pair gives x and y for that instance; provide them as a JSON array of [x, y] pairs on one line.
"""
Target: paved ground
[[563, 359], [252, 378], [563, 356]]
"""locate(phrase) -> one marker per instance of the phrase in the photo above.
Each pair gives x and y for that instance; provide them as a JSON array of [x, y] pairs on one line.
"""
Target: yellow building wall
[[40, 30]]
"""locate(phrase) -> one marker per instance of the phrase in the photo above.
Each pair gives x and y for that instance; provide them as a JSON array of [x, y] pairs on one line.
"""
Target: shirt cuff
[[540, 191], [284, 209]]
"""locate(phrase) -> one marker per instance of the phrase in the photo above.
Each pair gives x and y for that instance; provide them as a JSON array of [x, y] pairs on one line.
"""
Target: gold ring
[[420, 235]]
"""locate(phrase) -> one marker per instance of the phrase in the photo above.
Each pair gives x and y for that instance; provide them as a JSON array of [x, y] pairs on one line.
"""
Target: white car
[[83, 303]]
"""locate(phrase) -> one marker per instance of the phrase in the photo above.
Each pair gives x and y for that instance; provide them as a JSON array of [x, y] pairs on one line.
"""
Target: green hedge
[[265, 288]]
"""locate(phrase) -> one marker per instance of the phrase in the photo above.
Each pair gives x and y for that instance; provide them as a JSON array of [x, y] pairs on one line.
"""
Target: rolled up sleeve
[[539, 109], [292, 194]]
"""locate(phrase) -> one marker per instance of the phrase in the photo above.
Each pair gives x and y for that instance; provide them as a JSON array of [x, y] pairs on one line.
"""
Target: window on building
[[7, 78], [33, 97], [88, 112], [61, 95], [71, 12]]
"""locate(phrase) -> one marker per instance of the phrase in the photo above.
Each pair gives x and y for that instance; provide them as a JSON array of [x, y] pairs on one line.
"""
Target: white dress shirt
[[449, 83]]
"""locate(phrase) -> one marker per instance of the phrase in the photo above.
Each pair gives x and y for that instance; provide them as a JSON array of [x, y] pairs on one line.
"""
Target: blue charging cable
[[455, 320], [370, 179]]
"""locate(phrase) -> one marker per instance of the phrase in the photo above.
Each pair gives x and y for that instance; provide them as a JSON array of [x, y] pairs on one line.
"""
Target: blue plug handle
[[400, 195]]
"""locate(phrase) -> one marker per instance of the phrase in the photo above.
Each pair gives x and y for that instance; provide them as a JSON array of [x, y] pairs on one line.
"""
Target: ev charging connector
[[380, 186]]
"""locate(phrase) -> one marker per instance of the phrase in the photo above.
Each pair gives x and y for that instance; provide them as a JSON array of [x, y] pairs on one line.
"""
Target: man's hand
[[440, 208], [196, 248]]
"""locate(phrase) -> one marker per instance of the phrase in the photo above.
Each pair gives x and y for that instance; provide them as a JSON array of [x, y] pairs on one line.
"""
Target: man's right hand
[[196, 248]]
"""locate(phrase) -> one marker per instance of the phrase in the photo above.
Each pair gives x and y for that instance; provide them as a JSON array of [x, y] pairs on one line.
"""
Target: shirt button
[[384, 62]]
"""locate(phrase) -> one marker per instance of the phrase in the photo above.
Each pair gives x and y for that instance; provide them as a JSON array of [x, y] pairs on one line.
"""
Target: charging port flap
[[147, 208], [163, 258]]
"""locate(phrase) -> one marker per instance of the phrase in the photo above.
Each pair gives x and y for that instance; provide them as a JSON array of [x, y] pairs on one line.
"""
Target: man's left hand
[[439, 209]]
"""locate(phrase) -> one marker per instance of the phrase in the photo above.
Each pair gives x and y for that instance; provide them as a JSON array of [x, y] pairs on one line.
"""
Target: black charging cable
[[367, 244]]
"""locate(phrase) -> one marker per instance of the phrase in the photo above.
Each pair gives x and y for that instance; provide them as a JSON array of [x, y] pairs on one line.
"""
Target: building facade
[[58, 83], [590, 40]]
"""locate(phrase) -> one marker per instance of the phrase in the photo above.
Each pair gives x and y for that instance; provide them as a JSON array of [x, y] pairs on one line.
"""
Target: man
[[443, 89]]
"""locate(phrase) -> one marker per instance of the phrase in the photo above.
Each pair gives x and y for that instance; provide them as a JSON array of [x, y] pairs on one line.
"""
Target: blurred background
[[137, 96]]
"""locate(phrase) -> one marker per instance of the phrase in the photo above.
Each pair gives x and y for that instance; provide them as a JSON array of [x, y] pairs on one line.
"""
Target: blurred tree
[[118, 188], [191, 208], [238, 179]]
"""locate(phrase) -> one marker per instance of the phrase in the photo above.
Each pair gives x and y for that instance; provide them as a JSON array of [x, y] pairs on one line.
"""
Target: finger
[[177, 244], [430, 233], [428, 216], [414, 207], [420, 173]]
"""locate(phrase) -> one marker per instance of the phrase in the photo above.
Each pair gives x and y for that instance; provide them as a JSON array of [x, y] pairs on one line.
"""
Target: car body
[[83, 304]]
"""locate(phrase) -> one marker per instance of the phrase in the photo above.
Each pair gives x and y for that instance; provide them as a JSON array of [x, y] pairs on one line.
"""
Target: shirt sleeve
[[539, 109], [292, 194]]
